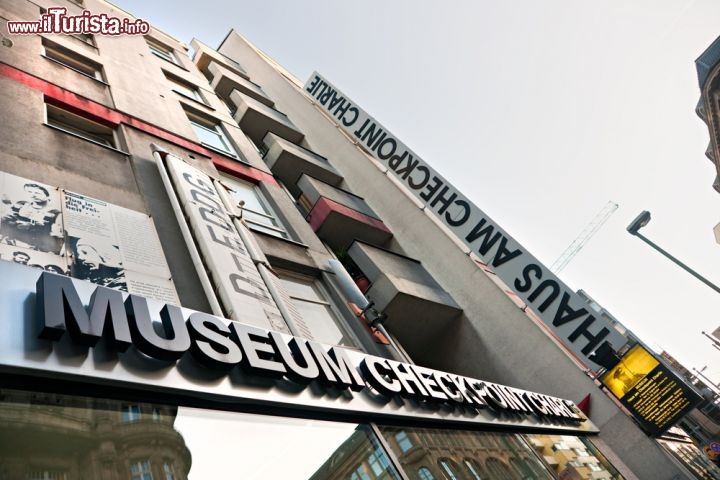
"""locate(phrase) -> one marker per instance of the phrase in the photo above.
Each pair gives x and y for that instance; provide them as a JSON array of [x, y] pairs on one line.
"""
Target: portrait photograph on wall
[[30, 214]]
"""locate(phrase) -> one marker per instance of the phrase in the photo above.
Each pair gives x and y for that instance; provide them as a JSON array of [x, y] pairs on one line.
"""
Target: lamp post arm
[[678, 262]]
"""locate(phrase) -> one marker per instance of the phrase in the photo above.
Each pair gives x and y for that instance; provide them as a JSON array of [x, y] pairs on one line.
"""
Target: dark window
[[80, 126], [403, 441], [130, 413], [211, 134], [72, 60], [141, 470], [425, 474], [184, 88], [162, 51]]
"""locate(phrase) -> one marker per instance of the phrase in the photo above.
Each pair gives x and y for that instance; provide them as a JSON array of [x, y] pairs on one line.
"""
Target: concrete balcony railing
[[225, 81], [288, 162], [257, 119], [417, 307], [204, 55], [338, 217]]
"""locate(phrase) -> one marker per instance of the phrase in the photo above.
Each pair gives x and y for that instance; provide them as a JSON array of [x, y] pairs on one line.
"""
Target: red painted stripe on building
[[244, 171], [324, 207], [97, 112]]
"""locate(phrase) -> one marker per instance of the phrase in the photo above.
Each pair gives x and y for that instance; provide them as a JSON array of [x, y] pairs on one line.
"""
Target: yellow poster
[[633, 367]]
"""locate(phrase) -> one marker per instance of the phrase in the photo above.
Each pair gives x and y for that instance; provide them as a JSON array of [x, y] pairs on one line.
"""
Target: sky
[[539, 112]]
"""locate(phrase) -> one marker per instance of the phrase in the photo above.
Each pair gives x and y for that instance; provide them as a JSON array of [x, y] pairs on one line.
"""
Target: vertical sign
[[655, 396], [563, 310], [240, 287]]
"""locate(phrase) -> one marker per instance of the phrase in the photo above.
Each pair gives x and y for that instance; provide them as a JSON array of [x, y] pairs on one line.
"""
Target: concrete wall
[[493, 339]]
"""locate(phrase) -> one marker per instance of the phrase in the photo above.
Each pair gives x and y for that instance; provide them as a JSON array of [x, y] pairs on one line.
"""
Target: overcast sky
[[541, 113]]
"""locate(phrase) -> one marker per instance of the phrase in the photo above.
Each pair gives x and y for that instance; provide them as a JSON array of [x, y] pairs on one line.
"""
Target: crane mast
[[585, 236]]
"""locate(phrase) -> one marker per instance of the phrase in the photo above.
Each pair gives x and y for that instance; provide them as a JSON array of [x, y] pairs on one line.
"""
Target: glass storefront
[[692, 458], [61, 437]]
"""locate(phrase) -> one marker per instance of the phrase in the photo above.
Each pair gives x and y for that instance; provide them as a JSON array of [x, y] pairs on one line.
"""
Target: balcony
[[204, 55], [288, 162], [257, 119], [417, 307], [225, 81], [338, 217]]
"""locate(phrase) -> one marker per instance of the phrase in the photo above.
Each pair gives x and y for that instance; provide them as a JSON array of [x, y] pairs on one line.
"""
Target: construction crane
[[587, 233]]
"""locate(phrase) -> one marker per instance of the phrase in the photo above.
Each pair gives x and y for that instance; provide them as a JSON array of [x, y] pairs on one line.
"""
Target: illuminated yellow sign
[[632, 368], [655, 396]]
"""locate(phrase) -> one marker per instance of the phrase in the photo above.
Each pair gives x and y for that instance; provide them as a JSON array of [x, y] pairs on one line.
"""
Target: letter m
[[59, 308], [488, 234]]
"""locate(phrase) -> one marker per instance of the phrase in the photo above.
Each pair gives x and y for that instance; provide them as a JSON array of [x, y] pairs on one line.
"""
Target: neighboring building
[[708, 108], [437, 454], [217, 183], [69, 440], [703, 423]]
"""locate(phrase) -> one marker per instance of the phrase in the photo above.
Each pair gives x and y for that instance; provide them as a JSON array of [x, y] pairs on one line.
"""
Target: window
[[80, 126], [473, 469], [403, 441], [86, 38], [424, 473], [360, 474], [211, 135], [319, 321], [184, 88], [162, 51], [47, 475], [169, 471], [130, 413], [581, 452], [375, 460], [256, 212], [72, 60], [141, 471], [448, 469]]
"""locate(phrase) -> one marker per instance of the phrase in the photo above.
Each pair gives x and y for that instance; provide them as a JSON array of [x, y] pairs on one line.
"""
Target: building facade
[[708, 110], [216, 181]]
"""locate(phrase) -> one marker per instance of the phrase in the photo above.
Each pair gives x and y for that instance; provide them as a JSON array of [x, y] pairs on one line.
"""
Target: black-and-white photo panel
[[30, 215], [34, 258]]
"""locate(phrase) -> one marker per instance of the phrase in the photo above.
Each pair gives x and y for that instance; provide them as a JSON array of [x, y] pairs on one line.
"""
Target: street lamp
[[642, 220]]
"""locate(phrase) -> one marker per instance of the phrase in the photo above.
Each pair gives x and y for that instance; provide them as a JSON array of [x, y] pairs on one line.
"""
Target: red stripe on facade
[[72, 102], [324, 207], [243, 171]]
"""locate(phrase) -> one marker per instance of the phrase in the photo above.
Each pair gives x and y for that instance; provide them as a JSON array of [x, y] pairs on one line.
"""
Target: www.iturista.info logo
[[57, 21]]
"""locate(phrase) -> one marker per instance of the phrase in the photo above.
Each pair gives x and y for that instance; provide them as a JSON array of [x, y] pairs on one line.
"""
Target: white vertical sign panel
[[240, 288], [564, 311]]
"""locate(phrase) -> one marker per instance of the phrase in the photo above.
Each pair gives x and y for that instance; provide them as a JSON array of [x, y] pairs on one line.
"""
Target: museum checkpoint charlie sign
[[91, 333], [559, 307]]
